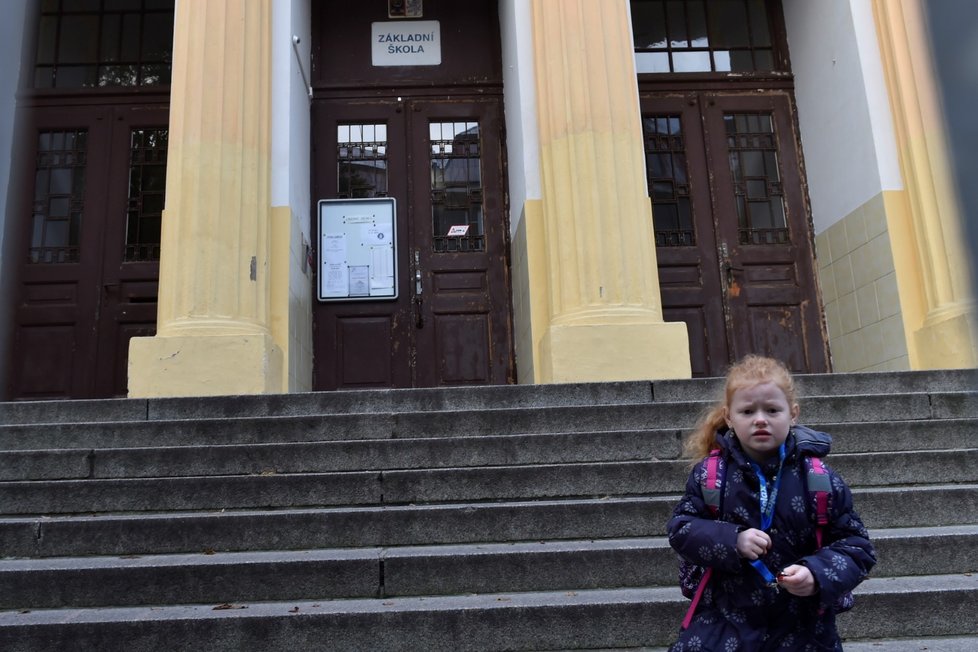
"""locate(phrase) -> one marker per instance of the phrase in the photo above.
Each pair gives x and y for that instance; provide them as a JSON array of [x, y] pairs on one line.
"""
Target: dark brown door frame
[[90, 302], [689, 286], [460, 292]]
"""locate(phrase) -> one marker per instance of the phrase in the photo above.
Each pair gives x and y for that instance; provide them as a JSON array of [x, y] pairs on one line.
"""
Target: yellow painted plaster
[[938, 304], [603, 318], [530, 294], [281, 261], [215, 321]]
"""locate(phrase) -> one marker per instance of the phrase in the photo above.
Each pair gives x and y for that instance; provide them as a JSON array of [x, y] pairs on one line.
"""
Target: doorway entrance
[[442, 161], [733, 238], [89, 234]]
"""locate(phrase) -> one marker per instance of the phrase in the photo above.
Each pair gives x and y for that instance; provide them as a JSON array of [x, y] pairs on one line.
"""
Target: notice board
[[357, 249]]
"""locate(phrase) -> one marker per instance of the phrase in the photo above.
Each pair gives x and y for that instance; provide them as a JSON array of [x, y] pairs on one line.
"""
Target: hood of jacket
[[802, 441]]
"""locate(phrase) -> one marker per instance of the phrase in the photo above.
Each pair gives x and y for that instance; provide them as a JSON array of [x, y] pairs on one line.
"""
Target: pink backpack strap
[[696, 598], [711, 486], [820, 488], [712, 482]]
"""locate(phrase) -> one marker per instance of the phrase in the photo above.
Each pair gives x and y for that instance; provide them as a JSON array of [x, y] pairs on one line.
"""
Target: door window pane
[[147, 185], [754, 170], [456, 186], [682, 36], [361, 157], [665, 162], [59, 186], [86, 43]]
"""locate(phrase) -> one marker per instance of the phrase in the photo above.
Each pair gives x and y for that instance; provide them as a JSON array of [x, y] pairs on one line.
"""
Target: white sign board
[[357, 249], [406, 43]]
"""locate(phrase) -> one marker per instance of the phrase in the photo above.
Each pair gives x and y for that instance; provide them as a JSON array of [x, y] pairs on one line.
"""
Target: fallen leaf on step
[[294, 610]]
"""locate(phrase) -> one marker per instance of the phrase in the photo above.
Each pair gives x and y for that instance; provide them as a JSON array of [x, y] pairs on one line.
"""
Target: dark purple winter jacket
[[738, 610]]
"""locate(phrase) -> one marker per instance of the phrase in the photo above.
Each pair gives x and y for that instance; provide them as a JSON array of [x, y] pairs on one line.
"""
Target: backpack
[[694, 578]]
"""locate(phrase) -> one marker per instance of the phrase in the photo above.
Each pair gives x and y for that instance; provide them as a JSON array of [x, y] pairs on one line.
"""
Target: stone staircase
[[495, 518]]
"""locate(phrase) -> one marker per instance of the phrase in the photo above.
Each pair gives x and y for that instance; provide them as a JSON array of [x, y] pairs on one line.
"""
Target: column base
[[947, 339], [204, 365], [571, 353]]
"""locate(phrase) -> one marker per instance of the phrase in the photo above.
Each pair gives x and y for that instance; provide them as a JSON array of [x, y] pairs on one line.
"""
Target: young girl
[[784, 599]]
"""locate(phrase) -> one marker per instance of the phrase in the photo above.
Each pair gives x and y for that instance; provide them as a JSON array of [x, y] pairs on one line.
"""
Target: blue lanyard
[[767, 511], [767, 504]]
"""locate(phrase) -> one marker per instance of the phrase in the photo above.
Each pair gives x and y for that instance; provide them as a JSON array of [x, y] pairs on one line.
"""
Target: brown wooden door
[[442, 162], [732, 229], [88, 276]]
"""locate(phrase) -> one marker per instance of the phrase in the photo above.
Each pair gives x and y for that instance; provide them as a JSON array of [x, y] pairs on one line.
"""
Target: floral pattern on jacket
[[738, 610]]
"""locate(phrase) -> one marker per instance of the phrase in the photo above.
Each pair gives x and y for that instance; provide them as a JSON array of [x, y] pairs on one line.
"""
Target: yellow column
[[605, 312], [927, 236], [213, 331]]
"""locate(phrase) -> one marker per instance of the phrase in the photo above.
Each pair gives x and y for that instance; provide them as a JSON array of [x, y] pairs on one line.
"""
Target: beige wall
[[291, 324], [860, 292]]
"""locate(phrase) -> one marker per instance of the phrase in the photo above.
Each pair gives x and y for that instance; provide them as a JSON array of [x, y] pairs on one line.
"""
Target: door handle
[[728, 268], [417, 273], [418, 291]]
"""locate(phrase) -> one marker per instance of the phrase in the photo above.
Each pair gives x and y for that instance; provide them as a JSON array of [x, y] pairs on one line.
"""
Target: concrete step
[[926, 606], [917, 506], [466, 522], [898, 435], [410, 570], [435, 452], [338, 527], [463, 398], [538, 481], [836, 384], [942, 644], [305, 457], [523, 518], [365, 401], [489, 422]]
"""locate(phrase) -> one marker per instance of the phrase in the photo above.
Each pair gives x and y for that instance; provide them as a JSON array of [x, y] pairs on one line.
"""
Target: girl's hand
[[753, 543], [797, 580]]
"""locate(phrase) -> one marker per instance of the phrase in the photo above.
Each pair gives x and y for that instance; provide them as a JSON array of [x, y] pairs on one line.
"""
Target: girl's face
[[760, 416]]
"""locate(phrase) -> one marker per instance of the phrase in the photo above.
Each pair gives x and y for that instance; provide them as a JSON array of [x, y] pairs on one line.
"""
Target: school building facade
[[260, 196]]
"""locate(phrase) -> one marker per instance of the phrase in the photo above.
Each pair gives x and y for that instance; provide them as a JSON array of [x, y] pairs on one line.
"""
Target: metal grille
[[94, 43], [147, 187], [702, 36], [361, 156], [665, 164], [59, 189], [456, 186], [759, 194]]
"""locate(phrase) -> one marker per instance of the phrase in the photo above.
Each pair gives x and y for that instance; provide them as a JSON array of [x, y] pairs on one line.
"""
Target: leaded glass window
[[677, 36], [147, 186], [104, 43], [753, 151], [456, 186], [59, 189], [361, 157], [665, 163]]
